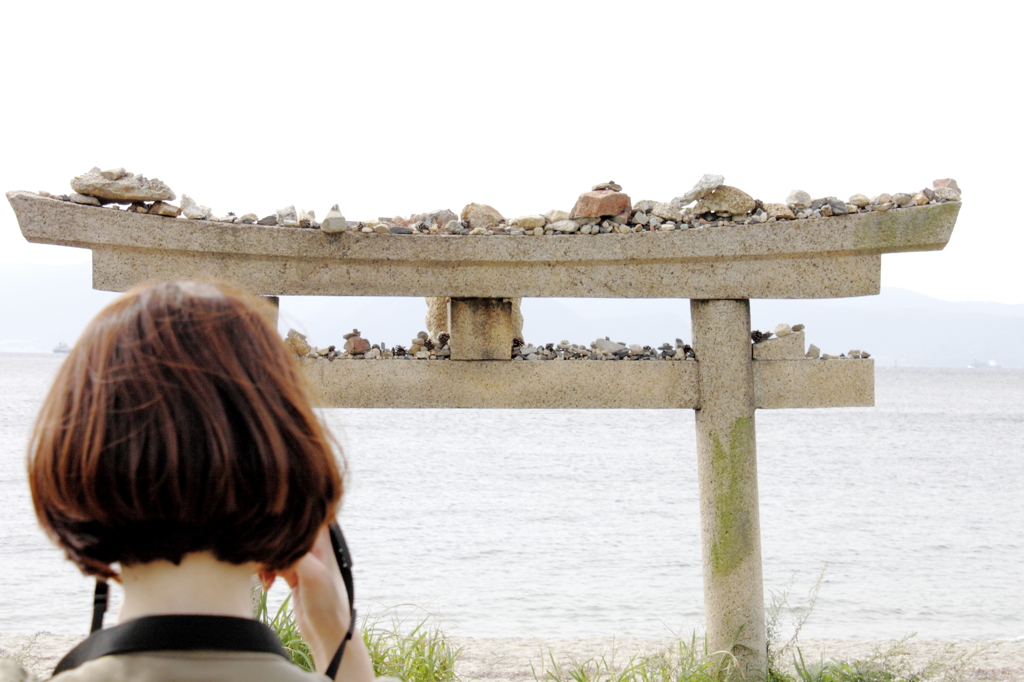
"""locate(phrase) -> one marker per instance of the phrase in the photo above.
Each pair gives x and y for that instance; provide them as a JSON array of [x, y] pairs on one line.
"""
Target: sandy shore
[[498, 660], [501, 660]]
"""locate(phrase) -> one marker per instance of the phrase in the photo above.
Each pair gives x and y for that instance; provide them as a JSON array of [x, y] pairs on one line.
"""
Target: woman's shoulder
[[189, 666]]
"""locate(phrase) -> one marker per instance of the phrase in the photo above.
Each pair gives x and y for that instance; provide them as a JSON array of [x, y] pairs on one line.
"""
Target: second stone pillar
[[727, 469]]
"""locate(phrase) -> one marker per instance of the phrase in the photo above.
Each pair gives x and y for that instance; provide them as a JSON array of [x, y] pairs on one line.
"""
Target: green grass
[[25, 656], [689, 661], [684, 661], [890, 664], [420, 653], [283, 623]]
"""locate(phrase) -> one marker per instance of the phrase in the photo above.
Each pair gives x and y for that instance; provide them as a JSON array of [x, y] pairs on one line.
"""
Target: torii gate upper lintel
[[718, 269]]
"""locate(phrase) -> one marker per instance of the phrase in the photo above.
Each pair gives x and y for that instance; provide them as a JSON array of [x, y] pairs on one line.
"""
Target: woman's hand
[[322, 610]]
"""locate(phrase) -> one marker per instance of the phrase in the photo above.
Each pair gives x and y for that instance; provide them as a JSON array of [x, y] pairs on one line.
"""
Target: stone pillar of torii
[[718, 269]]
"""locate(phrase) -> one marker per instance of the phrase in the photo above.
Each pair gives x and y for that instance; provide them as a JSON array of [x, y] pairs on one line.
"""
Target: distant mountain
[[46, 304]]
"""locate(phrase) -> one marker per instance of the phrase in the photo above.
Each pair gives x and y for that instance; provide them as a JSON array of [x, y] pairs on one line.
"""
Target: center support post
[[481, 328], [727, 471]]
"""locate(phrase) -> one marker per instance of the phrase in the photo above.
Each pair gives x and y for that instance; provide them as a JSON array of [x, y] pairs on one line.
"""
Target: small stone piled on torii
[[605, 209], [788, 343]]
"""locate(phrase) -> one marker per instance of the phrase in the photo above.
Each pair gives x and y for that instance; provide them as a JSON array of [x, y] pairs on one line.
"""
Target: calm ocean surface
[[585, 523]]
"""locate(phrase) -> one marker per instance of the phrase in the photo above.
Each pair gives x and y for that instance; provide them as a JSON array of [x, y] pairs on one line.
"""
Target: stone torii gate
[[718, 269]]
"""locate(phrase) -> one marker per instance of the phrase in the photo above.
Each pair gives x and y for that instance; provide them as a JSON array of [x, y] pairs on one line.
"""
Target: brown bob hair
[[180, 423]]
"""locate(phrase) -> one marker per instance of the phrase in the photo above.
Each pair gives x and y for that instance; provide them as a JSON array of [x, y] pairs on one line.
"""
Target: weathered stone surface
[[799, 199], [836, 256], [334, 222], [783, 329], [114, 173], [859, 200], [481, 328], [584, 385], [779, 211], [564, 226], [85, 200], [288, 216], [837, 207], [947, 193], [813, 352], [165, 209], [437, 315], [727, 475], [437, 219], [122, 188], [192, 210], [947, 182], [501, 384], [726, 199], [438, 310], [306, 218], [665, 211], [787, 347], [440, 217], [707, 183], [356, 345], [481, 215], [784, 384], [555, 215], [611, 184], [528, 222], [901, 198], [267, 220], [608, 345], [599, 204], [297, 343]]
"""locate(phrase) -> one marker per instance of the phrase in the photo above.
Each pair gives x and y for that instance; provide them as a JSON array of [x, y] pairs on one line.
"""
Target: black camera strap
[[175, 633], [100, 598], [344, 558]]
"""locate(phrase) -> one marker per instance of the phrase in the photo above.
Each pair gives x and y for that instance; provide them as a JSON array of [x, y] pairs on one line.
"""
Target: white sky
[[394, 108]]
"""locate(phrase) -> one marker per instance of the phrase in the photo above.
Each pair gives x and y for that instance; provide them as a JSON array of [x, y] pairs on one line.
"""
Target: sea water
[[585, 522]]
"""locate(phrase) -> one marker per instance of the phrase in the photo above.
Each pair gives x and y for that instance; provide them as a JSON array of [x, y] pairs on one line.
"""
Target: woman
[[177, 453]]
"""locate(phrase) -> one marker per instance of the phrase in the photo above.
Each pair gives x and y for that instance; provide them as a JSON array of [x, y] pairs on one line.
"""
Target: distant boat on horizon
[[62, 348], [978, 365]]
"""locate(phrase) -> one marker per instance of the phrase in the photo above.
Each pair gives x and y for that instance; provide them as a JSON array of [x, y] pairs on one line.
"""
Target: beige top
[[190, 666]]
